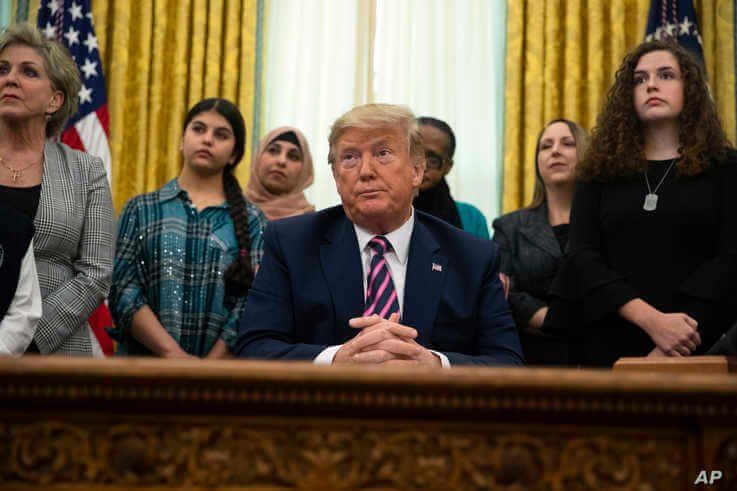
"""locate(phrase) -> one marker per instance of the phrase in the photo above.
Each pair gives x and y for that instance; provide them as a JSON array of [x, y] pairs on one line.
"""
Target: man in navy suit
[[374, 281]]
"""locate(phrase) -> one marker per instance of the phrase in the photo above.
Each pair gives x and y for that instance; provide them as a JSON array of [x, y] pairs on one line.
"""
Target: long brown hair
[[617, 140], [539, 195]]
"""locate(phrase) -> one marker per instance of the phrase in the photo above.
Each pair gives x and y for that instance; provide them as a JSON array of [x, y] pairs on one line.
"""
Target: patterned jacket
[[73, 244]]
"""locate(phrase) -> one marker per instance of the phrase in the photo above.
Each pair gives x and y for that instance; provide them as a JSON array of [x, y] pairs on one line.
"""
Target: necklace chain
[[15, 174], [647, 181]]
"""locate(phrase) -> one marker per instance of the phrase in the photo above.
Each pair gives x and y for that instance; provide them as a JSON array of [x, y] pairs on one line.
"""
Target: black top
[[24, 200], [438, 202], [680, 257], [561, 235], [16, 232]]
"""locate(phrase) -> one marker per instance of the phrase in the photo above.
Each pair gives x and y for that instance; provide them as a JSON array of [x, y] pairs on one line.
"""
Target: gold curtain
[[561, 60], [159, 59]]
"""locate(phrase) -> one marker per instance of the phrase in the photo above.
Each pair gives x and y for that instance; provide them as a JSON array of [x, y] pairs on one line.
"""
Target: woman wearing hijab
[[281, 169]]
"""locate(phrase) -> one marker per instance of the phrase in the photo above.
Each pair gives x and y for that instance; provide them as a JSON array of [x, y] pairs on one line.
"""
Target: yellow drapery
[[159, 59], [561, 60]]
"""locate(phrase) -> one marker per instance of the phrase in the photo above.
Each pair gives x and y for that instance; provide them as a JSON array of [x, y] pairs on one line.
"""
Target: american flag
[[70, 22], [675, 19]]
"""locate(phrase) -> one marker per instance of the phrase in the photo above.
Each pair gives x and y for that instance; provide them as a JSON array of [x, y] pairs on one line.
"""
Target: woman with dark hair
[[281, 169], [186, 254], [652, 258], [532, 241]]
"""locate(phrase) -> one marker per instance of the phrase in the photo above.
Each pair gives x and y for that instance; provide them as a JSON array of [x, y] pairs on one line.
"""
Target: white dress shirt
[[396, 261], [24, 312]]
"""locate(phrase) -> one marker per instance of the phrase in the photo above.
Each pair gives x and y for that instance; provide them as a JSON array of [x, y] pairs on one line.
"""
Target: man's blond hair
[[373, 116]]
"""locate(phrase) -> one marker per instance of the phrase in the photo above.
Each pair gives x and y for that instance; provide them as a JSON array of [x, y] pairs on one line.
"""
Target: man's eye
[[384, 155]]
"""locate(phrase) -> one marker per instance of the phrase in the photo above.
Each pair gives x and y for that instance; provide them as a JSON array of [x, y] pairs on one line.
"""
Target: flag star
[[72, 36], [89, 16], [685, 27], [89, 68], [649, 37], [75, 11], [91, 42], [53, 5], [49, 31], [85, 95], [658, 32], [671, 29]]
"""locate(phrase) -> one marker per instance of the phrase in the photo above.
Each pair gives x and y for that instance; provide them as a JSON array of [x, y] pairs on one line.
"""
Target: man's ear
[[418, 173]]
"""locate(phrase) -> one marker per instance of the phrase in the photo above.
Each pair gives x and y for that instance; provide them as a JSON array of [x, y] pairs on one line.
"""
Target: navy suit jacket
[[310, 284]]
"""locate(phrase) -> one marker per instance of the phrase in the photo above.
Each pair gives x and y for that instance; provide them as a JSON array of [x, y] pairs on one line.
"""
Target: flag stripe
[[93, 137], [71, 138], [104, 118]]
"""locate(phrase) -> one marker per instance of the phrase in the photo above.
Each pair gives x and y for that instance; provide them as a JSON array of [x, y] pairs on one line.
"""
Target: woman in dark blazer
[[531, 241]]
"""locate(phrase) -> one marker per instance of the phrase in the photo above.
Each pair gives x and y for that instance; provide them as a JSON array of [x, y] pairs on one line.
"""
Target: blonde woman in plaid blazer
[[65, 190], [73, 244]]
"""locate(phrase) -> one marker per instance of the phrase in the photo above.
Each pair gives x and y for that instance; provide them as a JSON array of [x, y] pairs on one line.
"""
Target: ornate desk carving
[[153, 424]]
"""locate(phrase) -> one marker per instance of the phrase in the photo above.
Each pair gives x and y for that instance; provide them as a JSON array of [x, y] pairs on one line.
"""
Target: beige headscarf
[[286, 205]]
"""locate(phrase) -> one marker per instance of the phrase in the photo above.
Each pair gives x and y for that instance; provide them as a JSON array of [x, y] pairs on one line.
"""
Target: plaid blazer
[[73, 244]]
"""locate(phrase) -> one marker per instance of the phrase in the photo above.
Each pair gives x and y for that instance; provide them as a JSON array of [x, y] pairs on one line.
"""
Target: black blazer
[[531, 256]]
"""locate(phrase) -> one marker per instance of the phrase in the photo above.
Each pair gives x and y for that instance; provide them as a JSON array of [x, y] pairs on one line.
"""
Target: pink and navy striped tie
[[381, 296]]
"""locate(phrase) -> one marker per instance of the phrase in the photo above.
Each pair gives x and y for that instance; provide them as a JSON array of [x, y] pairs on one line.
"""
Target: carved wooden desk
[[129, 424]]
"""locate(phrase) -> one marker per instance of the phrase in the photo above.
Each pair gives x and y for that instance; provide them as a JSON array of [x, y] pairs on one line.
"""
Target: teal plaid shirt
[[173, 258]]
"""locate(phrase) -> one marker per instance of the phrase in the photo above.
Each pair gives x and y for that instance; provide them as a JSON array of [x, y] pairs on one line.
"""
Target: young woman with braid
[[652, 259], [186, 254]]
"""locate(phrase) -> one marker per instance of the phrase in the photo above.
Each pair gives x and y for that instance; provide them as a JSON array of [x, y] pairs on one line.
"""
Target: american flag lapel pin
[[437, 267]]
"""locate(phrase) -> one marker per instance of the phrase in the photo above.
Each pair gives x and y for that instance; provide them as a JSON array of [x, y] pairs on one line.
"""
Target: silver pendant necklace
[[651, 198]]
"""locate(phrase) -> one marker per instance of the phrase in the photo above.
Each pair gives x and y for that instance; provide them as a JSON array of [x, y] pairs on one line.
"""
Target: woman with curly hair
[[652, 258]]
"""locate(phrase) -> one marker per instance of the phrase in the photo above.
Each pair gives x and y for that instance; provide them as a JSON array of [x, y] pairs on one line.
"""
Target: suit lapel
[[539, 233], [49, 182], [426, 270], [341, 262]]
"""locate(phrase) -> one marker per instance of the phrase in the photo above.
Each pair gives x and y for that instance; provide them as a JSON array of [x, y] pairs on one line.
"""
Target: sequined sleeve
[[127, 295]]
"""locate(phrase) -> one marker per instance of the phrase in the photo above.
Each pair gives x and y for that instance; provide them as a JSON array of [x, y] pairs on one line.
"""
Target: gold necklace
[[16, 174]]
